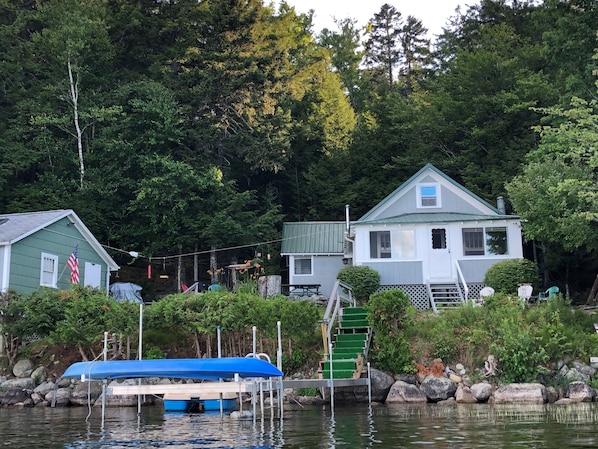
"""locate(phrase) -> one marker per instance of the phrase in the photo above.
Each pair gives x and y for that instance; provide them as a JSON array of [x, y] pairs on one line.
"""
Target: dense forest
[[186, 127]]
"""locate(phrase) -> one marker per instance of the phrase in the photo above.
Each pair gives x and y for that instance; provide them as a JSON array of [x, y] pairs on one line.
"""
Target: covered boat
[[208, 369]]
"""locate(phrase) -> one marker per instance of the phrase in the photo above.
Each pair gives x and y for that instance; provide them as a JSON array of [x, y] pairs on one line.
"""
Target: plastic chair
[[525, 292], [484, 293], [550, 292]]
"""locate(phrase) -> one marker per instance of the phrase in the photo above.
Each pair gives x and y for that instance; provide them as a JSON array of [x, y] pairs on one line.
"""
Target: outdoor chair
[[484, 293], [525, 292], [550, 292]]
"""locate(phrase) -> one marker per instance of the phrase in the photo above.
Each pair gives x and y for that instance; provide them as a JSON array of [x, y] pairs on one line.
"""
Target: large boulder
[[44, 388], [23, 368], [39, 374], [580, 392], [59, 397], [405, 393], [481, 391], [438, 388], [464, 395], [573, 375], [534, 393], [86, 393], [24, 383], [380, 382], [15, 396]]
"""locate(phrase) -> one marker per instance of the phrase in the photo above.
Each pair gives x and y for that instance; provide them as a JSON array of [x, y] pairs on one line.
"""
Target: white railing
[[342, 293], [462, 280]]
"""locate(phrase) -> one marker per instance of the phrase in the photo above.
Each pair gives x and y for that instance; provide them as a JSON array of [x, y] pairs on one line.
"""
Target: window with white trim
[[303, 265], [484, 241], [49, 271], [380, 245], [428, 195]]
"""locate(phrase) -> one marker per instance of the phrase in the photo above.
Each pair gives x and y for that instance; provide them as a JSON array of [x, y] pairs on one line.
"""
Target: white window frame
[[295, 265], [485, 238], [46, 274], [421, 197], [379, 251]]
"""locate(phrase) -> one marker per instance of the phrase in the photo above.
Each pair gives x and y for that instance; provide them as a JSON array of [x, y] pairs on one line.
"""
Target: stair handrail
[[462, 279], [341, 293]]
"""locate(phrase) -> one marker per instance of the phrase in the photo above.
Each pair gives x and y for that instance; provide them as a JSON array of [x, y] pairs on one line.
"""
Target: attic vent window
[[3, 220], [428, 195]]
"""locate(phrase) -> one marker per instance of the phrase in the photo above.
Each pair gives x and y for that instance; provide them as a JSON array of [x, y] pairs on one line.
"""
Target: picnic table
[[302, 290]]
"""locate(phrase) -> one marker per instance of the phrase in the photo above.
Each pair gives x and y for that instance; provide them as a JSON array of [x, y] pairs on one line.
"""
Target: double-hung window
[[428, 195], [49, 271], [303, 265]]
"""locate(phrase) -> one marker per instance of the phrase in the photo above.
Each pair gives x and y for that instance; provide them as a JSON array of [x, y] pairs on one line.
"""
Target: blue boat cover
[[209, 369]]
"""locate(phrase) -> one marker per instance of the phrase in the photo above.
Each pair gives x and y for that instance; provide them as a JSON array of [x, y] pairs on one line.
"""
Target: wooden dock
[[243, 386]]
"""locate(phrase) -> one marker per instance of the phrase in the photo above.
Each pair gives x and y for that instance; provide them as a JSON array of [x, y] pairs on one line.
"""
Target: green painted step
[[340, 364], [354, 323], [349, 344], [340, 374], [354, 311], [361, 337]]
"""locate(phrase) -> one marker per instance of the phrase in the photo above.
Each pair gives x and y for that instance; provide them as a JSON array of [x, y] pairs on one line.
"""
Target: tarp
[[126, 291], [211, 369]]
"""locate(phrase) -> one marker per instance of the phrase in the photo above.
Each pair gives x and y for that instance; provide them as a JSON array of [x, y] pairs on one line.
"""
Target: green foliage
[[293, 361], [506, 276], [153, 353], [519, 354], [388, 313], [364, 280]]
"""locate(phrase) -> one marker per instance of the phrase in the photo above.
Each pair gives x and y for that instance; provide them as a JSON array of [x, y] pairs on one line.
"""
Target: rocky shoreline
[[32, 387]]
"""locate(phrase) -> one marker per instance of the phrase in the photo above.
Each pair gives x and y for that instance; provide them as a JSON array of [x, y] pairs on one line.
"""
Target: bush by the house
[[506, 276], [364, 281]]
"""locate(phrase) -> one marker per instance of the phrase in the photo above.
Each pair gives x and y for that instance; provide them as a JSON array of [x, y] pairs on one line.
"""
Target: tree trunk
[[82, 352], [592, 296], [74, 92]]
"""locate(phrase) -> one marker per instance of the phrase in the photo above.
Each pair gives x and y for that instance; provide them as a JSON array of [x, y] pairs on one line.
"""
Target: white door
[[93, 275], [440, 266]]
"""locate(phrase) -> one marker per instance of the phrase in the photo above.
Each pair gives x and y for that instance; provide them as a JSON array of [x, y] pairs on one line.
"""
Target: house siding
[[408, 272], [322, 269], [58, 239]]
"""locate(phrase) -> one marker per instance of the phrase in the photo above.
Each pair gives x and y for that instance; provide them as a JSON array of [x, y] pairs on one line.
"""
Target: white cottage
[[431, 237]]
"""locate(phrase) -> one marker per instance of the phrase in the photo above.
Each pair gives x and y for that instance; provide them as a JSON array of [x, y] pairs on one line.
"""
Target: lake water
[[356, 426]]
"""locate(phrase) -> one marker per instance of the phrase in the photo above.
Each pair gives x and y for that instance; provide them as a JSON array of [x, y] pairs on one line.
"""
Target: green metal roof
[[324, 237], [442, 217]]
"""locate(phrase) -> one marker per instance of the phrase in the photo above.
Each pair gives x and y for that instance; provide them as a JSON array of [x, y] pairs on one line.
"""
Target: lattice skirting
[[419, 294]]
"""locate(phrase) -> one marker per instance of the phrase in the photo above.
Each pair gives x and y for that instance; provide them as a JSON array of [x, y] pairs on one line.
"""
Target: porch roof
[[311, 237], [433, 218]]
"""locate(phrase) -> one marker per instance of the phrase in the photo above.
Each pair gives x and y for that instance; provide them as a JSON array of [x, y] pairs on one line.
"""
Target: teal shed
[[35, 248]]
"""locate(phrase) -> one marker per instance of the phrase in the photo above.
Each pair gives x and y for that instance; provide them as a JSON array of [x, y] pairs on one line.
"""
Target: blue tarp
[[126, 291]]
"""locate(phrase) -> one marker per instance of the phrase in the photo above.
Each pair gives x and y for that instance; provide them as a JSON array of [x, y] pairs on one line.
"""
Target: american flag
[[73, 264]]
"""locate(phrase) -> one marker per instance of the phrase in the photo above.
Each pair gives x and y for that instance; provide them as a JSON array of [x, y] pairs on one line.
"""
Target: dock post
[[331, 379], [369, 384]]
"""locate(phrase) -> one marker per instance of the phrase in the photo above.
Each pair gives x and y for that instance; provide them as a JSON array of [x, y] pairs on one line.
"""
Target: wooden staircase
[[444, 294], [350, 346]]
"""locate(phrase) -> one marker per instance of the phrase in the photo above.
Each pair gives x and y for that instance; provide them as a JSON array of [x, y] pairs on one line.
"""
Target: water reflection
[[357, 426]]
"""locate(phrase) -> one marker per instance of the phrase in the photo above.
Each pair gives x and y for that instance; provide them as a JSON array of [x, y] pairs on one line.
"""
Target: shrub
[[364, 281], [388, 312], [506, 276]]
